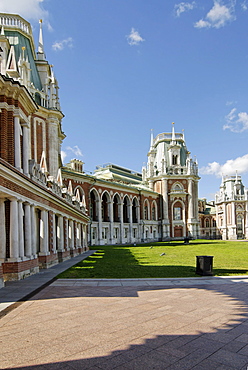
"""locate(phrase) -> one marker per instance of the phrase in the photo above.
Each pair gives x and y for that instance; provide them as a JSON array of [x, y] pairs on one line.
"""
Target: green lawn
[[146, 261]]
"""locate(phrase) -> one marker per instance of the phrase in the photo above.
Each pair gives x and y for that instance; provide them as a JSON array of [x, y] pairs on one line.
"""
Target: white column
[[33, 231], [28, 230], [71, 234], [66, 241], [130, 222], [21, 229], [111, 221], [99, 210], [121, 221], [14, 234], [2, 230], [44, 233], [165, 199], [25, 149], [60, 233], [190, 209], [17, 132], [54, 233], [78, 235]]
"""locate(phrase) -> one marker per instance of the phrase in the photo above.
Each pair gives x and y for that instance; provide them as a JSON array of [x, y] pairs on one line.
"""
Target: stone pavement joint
[[16, 292]]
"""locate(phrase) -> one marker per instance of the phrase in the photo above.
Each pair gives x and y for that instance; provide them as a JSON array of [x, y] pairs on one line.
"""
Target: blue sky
[[128, 66]]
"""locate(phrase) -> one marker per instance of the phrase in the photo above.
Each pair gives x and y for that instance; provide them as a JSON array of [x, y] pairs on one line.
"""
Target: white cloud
[[218, 16], [60, 45], [28, 9], [239, 164], [244, 5], [236, 122], [134, 37], [184, 7], [76, 150]]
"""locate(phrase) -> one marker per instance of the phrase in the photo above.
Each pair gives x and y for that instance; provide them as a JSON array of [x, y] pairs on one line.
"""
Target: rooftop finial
[[41, 47], [173, 138], [151, 145]]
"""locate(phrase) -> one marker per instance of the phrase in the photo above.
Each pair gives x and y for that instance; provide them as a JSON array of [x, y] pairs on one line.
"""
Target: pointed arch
[[94, 204], [154, 210], [146, 210], [105, 204], [80, 196], [116, 207], [135, 209], [126, 209]]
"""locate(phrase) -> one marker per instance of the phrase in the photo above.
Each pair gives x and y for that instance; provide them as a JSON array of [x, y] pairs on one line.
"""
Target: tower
[[232, 208], [171, 172]]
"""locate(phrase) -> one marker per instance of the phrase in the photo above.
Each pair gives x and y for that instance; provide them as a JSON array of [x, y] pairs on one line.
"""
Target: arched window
[[93, 206], [177, 213], [146, 210], [135, 210], [125, 210], [174, 159], [207, 222], [154, 211], [105, 213], [116, 208], [240, 227]]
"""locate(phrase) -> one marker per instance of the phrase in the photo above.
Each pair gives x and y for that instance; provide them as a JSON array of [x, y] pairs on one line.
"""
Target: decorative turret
[[168, 155]]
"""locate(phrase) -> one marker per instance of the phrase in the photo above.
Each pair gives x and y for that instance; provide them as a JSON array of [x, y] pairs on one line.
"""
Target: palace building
[[50, 212], [41, 223]]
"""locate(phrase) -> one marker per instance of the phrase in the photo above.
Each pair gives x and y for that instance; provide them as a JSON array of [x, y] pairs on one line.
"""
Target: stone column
[[191, 208], [2, 229], [71, 234], [28, 230], [25, 148], [14, 233], [44, 233], [165, 199], [60, 233], [121, 222], [33, 231], [21, 230], [17, 132], [66, 240], [99, 210], [130, 222]]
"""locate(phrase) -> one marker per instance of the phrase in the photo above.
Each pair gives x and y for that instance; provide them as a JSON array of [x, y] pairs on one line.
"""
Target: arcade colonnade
[[117, 218], [34, 236]]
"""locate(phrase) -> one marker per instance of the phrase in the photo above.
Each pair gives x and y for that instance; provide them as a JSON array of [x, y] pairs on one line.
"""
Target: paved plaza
[[199, 323]]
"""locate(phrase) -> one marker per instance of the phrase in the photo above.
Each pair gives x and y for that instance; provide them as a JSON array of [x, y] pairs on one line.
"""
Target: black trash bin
[[204, 265]]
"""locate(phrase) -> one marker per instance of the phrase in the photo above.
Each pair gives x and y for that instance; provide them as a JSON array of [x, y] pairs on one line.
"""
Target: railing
[[15, 21], [167, 136]]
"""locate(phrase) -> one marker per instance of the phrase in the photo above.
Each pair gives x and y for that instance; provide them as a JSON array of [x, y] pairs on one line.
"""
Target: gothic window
[[174, 159], [93, 208], [105, 216], [146, 212], [116, 209], [134, 210], [125, 210], [177, 213]]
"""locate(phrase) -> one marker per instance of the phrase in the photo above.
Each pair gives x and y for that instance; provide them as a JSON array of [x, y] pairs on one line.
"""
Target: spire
[[183, 136], [151, 145], [41, 46], [173, 137], [236, 182]]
